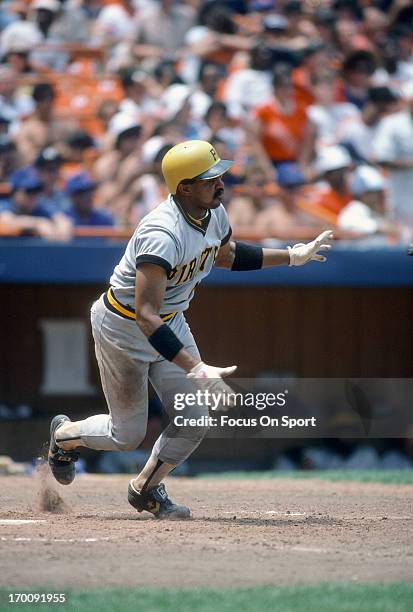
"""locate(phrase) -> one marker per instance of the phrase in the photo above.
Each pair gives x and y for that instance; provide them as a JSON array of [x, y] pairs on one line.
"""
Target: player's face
[[208, 193]]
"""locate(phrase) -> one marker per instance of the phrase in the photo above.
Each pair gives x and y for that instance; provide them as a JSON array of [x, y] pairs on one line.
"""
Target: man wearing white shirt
[[393, 149]]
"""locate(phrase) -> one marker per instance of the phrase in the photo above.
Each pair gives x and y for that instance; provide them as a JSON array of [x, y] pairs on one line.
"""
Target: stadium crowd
[[312, 99]]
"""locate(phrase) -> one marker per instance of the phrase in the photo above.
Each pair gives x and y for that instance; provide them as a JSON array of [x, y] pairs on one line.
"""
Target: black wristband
[[165, 342], [247, 257]]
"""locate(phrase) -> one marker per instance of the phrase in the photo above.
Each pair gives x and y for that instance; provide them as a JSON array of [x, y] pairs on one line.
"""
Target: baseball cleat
[[62, 463], [157, 502]]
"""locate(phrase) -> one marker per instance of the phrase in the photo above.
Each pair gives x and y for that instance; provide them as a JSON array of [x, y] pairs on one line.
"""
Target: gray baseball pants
[[126, 362]]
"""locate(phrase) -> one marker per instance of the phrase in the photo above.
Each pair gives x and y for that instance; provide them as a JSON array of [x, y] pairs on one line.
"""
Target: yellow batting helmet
[[192, 159]]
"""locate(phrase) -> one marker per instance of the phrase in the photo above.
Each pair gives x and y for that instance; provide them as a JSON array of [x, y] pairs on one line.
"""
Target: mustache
[[218, 193]]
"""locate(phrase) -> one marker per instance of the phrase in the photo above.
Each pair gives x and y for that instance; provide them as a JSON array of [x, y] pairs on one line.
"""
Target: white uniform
[[186, 249]]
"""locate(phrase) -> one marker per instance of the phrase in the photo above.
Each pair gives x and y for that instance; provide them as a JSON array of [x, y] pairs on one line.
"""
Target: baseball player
[[139, 327]]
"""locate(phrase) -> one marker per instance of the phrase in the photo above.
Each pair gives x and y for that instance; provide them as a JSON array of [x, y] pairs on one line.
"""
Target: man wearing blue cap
[[25, 213], [81, 188]]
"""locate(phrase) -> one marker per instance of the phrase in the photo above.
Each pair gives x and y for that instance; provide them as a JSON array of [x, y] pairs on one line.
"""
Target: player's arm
[[239, 256], [150, 291]]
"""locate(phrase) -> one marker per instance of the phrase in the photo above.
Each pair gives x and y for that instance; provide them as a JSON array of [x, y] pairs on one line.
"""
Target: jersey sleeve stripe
[[154, 259], [227, 237]]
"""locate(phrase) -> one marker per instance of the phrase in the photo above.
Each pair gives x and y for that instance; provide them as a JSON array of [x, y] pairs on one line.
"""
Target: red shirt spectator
[[282, 119]]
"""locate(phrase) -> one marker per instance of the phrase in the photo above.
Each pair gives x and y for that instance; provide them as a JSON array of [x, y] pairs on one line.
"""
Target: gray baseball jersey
[[185, 247]]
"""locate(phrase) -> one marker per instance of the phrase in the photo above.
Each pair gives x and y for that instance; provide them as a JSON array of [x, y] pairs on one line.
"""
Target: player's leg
[[175, 444], [124, 376]]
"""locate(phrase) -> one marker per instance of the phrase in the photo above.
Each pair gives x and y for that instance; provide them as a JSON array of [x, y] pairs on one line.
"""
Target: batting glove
[[210, 377], [302, 253]]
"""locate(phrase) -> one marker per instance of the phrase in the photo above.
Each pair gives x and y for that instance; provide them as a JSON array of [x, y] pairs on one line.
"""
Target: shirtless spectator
[[26, 214], [41, 129], [279, 210], [250, 209], [120, 166], [149, 189]]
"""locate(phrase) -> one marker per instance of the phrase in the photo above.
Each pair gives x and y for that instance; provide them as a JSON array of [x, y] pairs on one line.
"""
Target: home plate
[[20, 521]]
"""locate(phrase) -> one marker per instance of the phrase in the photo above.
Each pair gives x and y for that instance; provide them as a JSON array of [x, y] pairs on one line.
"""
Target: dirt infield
[[243, 532]]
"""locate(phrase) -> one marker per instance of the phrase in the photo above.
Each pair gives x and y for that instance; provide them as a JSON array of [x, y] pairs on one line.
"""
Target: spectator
[[8, 162], [25, 212], [149, 189], [331, 193], [393, 149], [16, 42], [210, 76], [81, 189], [375, 24], [280, 122], [326, 118], [140, 93], [358, 135], [48, 165], [213, 80], [396, 65], [253, 208], [297, 217], [219, 125], [314, 59], [366, 214], [348, 37], [71, 24], [120, 166], [45, 13], [324, 19], [280, 211], [248, 87], [77, 147], [162, 28], [9, 12], [14, 105], [42, 128], [357, 70], [178, 104], [4, 126], [115, 23], [215, 39]]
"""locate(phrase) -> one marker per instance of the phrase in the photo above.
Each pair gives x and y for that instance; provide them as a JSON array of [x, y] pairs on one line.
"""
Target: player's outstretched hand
[[302, 253], [210, 377]]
